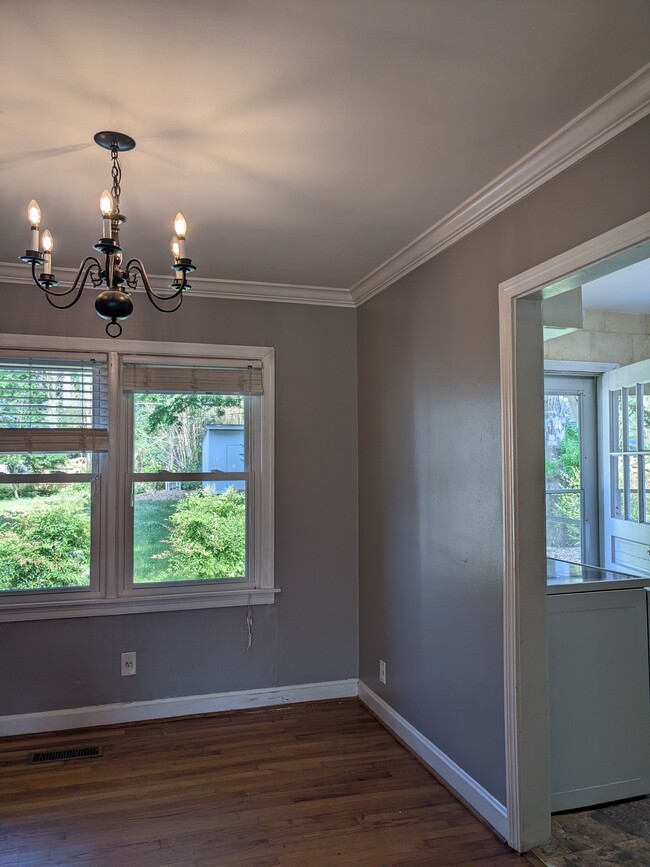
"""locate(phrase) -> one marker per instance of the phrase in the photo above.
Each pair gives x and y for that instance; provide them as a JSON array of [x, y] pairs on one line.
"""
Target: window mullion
[[111, 529]]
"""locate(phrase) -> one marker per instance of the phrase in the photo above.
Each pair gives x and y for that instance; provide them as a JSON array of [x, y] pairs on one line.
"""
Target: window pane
[[646, 416], [633, 486], [631, 418], [188, 531], [618, 487], [46, 462], [53, 394], [44, 536], [188, 433], [616, 418], [563, 526], [562, 441]]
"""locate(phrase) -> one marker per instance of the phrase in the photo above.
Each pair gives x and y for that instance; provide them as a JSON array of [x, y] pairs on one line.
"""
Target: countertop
[[565, 577]]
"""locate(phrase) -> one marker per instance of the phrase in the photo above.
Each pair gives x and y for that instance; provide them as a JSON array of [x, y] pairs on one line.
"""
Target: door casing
[[525, 677]]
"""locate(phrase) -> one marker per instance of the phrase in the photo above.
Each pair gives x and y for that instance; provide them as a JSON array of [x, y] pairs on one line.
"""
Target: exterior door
[[571, 463], [625, 468]]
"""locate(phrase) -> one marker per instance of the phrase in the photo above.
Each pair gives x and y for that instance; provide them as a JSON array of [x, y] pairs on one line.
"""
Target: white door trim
[[525, 660]]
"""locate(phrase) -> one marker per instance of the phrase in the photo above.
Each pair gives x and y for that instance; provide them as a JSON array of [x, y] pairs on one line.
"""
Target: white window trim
[[109, 598]]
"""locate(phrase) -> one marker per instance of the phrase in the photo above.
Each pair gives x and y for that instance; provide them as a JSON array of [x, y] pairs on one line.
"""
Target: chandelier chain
[[116, 172]]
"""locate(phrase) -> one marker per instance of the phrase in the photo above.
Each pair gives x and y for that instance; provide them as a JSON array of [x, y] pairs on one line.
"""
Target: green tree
[[207, 536], [565, 467], [169, 428], [25, 462], [46, 546]]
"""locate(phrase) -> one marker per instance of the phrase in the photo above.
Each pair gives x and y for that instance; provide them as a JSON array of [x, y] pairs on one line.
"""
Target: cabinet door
[[598, 697]]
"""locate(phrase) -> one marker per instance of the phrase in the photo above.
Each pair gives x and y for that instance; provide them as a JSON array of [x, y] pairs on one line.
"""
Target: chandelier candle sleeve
[[34, 217], [48, 245], [176, 252]]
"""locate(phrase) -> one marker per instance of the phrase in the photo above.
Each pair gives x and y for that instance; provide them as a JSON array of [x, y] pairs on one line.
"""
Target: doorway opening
[[553, 469]]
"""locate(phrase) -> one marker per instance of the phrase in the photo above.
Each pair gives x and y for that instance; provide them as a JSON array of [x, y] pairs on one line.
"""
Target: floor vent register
[[64, 755]]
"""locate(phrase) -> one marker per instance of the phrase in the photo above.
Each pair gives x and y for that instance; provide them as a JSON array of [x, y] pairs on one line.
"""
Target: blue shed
[[223, 449]]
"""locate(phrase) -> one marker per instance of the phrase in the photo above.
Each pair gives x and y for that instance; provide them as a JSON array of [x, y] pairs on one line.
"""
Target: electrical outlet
[[382, 671], [128, 663]]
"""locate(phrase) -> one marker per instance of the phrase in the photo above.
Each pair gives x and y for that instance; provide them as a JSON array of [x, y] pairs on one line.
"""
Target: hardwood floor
[[306, 785]]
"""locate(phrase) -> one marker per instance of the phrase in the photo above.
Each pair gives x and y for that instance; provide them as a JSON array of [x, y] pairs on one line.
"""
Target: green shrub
[[207, 536], [46, 546]]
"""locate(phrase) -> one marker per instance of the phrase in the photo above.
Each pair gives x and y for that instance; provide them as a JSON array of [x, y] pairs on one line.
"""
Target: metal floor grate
[[63, 755]]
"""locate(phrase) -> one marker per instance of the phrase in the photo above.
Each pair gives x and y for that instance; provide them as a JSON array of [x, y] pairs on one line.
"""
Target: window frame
[[112, 593]]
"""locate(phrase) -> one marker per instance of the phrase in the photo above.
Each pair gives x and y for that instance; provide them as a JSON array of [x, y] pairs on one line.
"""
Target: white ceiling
[[305, 141], [626, 290]]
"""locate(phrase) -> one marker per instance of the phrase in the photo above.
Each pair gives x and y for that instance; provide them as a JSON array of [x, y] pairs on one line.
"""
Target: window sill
[[60, 609]]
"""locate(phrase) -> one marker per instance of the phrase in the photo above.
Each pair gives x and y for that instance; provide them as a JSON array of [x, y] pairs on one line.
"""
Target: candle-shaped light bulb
[[175, 247], [180, 227], [34, 217], [47, 242], [34, 213], [106, 207]]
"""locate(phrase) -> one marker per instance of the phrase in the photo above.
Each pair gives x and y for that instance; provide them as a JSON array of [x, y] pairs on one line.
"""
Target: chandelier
[[114, 302]]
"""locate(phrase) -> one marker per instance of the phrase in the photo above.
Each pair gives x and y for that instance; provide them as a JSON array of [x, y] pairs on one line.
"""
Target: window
[[629, 421], [134, 482], [53, 440], [570, 440]]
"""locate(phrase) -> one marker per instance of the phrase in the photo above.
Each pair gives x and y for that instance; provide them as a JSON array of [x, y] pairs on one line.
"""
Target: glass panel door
[[570, 468]]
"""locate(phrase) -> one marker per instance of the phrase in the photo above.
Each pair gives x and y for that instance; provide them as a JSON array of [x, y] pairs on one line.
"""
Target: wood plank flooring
[[304, 785]]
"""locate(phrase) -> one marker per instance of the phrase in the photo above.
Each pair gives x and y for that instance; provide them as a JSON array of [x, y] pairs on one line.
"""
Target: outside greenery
[[182, 531], [562, 466]]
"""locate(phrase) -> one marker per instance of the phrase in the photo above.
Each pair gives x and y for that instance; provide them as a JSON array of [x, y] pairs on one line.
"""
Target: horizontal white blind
[[199, 379], [53, 404], [15, 439]]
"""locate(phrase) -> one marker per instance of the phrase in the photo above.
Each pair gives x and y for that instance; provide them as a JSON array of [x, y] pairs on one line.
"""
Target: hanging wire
[[247, 625]]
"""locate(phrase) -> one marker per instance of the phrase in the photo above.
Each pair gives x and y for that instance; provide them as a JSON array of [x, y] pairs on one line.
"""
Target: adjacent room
[[321, 320]]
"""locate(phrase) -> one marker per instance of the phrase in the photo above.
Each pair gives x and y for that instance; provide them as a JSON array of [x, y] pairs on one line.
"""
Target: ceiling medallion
[[114, 301]]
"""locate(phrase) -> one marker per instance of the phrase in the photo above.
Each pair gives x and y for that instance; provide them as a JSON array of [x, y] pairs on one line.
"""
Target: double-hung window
[[53, 445], [135, 480]]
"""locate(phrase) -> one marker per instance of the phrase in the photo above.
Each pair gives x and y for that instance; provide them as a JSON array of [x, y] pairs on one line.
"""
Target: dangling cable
[[247, 625]]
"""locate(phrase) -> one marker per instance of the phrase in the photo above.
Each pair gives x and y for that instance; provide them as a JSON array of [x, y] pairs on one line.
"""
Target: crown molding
[[594, 127], [239, 290]]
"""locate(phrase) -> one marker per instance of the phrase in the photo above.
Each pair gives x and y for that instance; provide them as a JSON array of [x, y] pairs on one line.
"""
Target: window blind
[[53, 405], [175, 379]]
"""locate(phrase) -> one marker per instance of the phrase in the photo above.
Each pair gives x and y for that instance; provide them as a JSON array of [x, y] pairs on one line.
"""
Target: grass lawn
[[151, 520]]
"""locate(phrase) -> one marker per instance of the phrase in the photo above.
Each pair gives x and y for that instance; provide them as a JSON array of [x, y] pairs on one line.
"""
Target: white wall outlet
[[382, 671], [128, 663]]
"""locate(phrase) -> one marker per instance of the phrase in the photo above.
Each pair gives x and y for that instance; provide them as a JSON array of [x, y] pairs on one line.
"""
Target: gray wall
[[310, 634], [430, 457]]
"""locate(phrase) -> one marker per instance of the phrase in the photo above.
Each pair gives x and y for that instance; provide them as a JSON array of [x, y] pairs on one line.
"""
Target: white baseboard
[[479, 799], [185, 705]]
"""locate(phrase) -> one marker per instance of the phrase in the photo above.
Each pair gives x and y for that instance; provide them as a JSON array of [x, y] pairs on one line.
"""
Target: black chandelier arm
[[85, 271], [135, 267]]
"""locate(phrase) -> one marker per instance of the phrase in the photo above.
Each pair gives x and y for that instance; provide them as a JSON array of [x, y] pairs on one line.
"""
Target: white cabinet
[[598, 697]]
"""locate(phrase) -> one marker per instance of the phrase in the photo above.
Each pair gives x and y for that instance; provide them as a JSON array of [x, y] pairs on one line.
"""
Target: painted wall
[[430, 464], [310, 634], [607, 336]]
